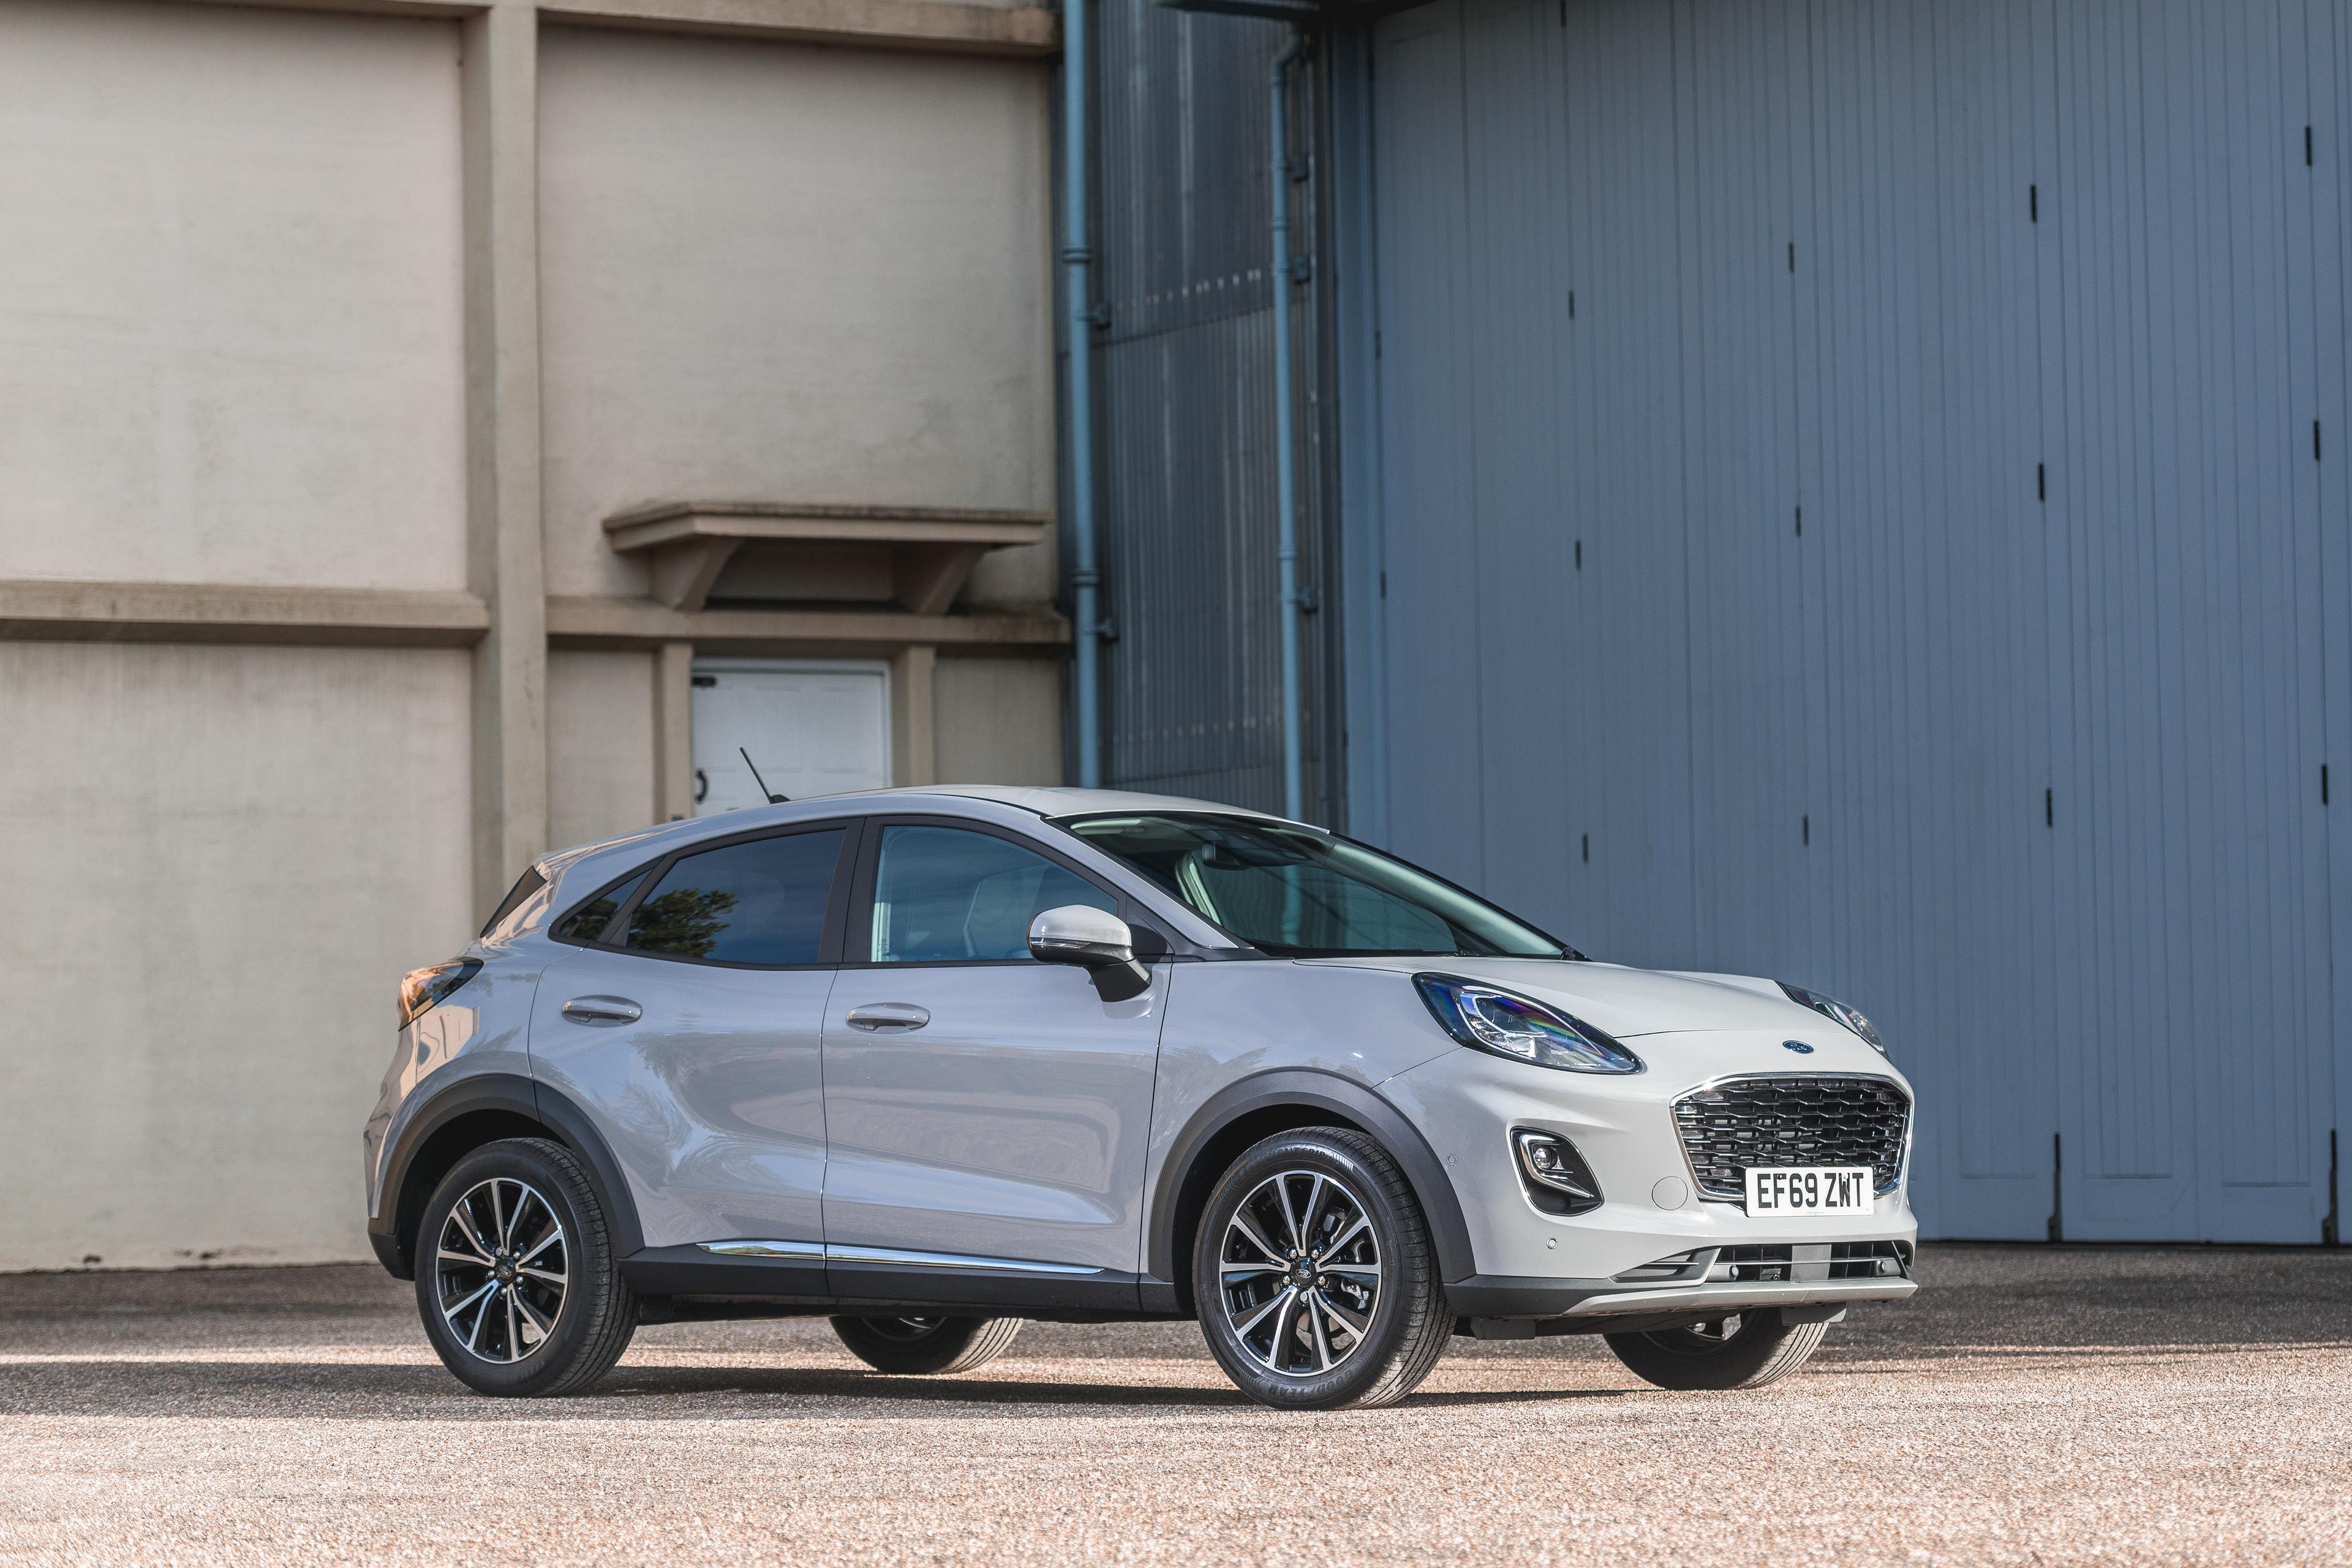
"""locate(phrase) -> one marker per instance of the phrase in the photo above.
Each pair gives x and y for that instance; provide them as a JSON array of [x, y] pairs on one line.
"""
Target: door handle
[[877, 1016], [603, 1010]]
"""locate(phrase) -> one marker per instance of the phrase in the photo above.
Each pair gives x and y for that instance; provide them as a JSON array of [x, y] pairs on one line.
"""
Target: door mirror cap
[[1097, 942]]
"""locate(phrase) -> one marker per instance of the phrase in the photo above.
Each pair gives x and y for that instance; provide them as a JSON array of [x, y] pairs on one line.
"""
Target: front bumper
[[1710, 1280], [1529, 1263]]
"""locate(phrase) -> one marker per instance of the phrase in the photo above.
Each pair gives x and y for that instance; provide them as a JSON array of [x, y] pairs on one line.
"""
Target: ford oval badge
[[1798, 1047]]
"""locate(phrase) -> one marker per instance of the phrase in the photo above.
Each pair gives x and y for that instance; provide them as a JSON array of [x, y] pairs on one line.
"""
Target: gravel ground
[[2029, 1406]]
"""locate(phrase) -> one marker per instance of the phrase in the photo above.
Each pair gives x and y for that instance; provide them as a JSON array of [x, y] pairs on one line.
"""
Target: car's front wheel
[[1747, 1350], [922, 1346], [1315, 1276], [515, 1274]]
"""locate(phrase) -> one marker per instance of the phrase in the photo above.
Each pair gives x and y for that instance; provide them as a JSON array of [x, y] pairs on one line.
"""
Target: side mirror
[[1097, 942]]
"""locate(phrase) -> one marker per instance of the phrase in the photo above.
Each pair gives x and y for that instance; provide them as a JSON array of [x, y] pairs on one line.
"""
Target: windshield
[[1297, 892]]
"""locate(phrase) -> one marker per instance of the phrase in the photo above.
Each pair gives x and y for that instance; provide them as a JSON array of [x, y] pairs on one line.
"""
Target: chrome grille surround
[[1792, 1119]]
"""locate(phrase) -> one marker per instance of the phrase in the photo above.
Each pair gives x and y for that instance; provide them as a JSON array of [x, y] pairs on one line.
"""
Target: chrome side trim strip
[[950, 1260], [807, 1251], [811, 1252]]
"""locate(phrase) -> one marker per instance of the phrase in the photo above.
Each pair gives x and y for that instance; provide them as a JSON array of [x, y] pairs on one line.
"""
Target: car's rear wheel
[[1314, 1273], [1747, 1349], [516, 1279], [921, 1346]]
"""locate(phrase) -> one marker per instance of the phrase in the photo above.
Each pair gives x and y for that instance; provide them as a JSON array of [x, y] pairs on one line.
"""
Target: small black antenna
[[773, 799]]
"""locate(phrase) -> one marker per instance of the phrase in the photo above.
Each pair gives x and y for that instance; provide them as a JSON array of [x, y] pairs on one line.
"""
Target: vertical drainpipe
[[1086, 575], [1294, 780]]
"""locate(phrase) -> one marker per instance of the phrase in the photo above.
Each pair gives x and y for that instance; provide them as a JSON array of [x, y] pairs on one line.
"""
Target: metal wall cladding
[[1852, 513], [1193, 684]]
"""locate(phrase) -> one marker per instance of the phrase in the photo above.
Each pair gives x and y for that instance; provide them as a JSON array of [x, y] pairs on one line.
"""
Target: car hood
[[1625, 1002]]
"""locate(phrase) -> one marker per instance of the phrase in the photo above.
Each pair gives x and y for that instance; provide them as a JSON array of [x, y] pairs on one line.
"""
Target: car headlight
[[1830, 1008], [1503, 1024], [425, 989]]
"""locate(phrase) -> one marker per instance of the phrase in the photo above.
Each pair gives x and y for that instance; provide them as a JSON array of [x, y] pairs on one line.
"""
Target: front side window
[[758, 902], [1295, 892], [945, 895]]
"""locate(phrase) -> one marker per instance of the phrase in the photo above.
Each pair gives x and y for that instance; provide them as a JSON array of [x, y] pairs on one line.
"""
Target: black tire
[[586, 1326], [921, 1346], [1303, 1364], [1745, 1350]]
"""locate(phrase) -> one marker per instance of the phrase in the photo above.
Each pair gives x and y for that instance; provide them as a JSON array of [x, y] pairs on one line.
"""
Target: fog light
[[1555, 1175]]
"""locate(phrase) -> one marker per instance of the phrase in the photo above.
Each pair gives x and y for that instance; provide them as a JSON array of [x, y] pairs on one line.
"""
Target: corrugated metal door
[[1851, 512]]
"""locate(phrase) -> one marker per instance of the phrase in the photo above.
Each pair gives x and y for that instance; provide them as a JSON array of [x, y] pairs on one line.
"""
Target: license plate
[[1810, 1189]]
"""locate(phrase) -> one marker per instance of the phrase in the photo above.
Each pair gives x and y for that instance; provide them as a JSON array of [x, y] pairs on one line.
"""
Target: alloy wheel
[[1301, 1273], [504, 1270]]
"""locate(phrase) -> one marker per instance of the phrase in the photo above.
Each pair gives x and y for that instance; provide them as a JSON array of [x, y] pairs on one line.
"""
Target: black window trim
[[1158, 946], [531, 880], [649, 875]]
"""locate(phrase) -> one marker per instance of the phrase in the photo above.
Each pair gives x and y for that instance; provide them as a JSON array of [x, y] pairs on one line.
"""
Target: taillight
[[427, 988]]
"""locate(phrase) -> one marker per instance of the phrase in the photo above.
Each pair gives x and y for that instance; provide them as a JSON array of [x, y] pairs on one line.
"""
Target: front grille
[[1797, 1119]]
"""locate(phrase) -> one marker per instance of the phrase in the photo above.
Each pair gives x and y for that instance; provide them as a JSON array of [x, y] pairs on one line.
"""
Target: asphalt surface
[[2029, 1406]]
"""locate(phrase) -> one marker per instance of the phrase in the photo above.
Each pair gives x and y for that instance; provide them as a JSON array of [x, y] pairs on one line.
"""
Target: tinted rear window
[[761, 901]]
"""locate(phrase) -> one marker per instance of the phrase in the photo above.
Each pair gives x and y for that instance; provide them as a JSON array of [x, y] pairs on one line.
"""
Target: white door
[[811, 726]]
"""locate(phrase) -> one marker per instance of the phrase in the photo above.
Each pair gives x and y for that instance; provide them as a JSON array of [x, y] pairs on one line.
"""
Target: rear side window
[[587, 923], [759, 902], [942, 895]]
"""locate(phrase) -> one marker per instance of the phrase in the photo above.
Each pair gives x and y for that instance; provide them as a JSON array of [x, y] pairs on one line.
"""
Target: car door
[[690, 1026], [986, 1114]]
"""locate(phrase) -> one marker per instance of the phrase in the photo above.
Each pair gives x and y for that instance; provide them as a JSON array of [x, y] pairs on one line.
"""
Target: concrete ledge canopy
[[37, 611], [926, 554]]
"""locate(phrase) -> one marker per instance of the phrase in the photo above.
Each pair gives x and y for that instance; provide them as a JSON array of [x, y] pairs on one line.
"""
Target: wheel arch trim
[[391, 1232], [1304, 1088]]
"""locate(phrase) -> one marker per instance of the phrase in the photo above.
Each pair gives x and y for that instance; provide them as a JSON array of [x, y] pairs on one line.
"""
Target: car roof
[[1056, 800], [1041, 800]]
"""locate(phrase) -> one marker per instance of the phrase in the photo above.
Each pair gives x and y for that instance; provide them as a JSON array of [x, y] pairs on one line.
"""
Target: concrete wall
[[221, 860], [289, 299], [1000, 721], [230, 320], [230, 353], [600, 716], [779, 273]]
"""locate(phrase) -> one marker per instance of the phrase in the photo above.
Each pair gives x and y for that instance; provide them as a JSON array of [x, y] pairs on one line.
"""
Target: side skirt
[[693, 1281]]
